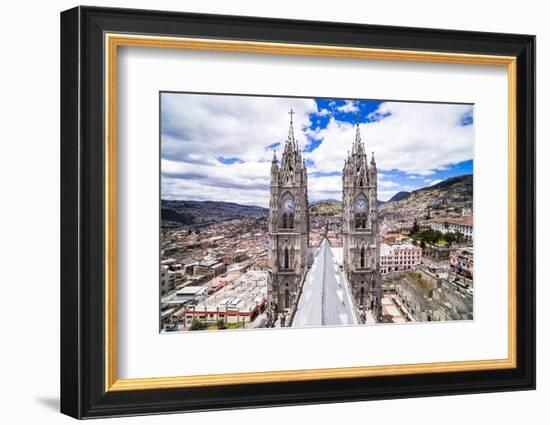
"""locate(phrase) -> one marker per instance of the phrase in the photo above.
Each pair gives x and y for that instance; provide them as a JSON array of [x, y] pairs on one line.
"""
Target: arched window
[[361, 208], [362, 257], [287, 208], [360, 220], [286, 261], [362, 295]]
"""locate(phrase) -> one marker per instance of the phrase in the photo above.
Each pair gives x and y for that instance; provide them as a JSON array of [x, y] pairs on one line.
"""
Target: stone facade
[[288, 231], [360, 229], [427, 297]]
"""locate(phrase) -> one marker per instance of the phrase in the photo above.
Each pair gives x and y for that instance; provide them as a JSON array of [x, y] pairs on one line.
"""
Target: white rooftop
[[191, 290]]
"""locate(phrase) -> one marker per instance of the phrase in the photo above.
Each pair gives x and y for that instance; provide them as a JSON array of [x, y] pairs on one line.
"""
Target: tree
[[196, 325], [415, 228], [449, 237]]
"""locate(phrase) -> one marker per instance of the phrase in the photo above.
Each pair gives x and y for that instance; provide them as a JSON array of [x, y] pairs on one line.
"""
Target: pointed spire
[[274, 156], [372, 161], [291, 130], [357, 144]]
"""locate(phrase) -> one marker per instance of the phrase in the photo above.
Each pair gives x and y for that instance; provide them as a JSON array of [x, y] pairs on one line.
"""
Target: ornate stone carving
[[360, 228], [289, 227]]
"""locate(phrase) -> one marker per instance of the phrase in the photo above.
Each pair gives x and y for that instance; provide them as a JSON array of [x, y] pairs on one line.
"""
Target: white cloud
[[325, 187], [199, 129], [387, 183], [195, 190], [323, 112], [348, 106], [415, 138]]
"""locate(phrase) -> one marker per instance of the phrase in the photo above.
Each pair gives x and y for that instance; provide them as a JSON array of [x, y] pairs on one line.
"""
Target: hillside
[[399, 196], [328, 208], [195, 212], [448, 197], [466, 180]]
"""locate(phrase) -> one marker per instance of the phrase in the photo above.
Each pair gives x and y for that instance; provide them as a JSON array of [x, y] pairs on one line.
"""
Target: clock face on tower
[[360, 205], [288, 205]]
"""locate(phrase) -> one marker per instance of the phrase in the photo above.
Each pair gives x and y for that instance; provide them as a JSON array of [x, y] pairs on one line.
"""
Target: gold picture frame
[[114, 41], [91, 40]]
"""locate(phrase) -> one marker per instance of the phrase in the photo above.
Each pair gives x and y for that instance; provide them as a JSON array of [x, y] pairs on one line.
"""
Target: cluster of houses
[[193, 286], [232, 299]]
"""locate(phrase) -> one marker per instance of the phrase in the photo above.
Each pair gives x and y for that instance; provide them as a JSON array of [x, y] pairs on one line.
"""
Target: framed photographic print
[[261, 212]]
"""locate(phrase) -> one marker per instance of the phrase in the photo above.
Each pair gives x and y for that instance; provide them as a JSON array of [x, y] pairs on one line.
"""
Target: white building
[[186, 295], [464, 225], [238, 302], [399, 257]]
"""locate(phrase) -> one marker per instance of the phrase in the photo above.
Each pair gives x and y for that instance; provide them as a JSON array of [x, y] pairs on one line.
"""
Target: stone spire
[[274, 162], [360, 248], [358, 146], [292, 165], [290, 140], [288, 230], [357, 141], [274, 169]]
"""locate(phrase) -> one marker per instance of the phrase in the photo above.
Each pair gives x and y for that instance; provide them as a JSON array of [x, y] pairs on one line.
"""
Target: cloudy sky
[[219, 147]]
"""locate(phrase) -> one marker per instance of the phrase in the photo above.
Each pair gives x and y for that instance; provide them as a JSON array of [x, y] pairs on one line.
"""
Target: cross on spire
[[291, 131], [291, 113]]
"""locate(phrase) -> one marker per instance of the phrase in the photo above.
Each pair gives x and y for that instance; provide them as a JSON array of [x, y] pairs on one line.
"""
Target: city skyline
[[230, 155]]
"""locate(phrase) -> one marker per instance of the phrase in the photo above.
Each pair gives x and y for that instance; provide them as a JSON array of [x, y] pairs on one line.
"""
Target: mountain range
[[465, 180], [198, 212], [459, 188]]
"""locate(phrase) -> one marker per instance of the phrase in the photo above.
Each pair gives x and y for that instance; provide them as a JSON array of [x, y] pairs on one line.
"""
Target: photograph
[[311, 211]]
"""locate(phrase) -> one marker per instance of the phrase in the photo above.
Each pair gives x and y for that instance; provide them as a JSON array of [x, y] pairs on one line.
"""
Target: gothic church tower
[[288, 230], [360, 229]]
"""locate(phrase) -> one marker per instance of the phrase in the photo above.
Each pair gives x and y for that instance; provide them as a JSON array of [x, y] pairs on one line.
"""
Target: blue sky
[[217, 147]]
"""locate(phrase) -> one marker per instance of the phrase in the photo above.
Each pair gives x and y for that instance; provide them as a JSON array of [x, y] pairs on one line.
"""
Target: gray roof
[[325, 299]]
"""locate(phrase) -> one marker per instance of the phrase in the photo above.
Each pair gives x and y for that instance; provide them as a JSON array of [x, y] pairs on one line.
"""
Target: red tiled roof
[[467, 220]]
